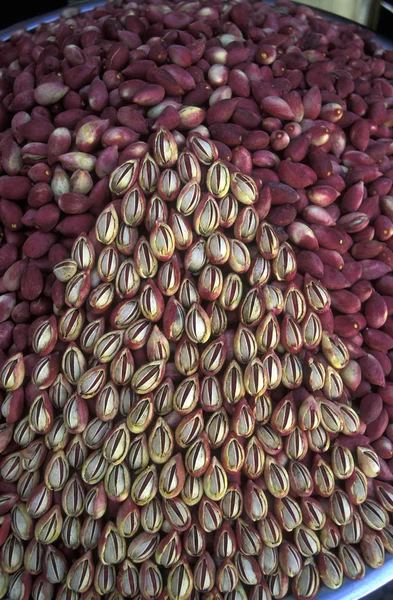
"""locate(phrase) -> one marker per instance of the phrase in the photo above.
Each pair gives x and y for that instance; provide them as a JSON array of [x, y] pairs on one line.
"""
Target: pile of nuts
[[196, 300]]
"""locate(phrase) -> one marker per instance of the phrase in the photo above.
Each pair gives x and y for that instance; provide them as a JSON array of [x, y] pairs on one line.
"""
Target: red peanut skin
[[383, 447], [73, 225], [38, 244], [362, 289], [389, 432], [352, 271], [282, 193], [345, 302], [349, 326], [47, 217], [32, 282], [376, 429], [372, 371], [331, 258], [374, 269], [371, 406], [386, 472], [15, 187], [74, 204], [389, 304], [327, 321], [378, 339], [382, 358], [8, 256], [333, 279], [295, 174], [277, 107], [363, 388], [375, 311], [386, 393]]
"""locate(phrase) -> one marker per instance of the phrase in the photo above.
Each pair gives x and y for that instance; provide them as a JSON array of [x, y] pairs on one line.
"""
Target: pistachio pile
[[196, 303], [185, 428]]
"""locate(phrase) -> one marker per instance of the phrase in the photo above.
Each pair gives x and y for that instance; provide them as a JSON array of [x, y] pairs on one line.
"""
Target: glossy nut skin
[[192, 370]]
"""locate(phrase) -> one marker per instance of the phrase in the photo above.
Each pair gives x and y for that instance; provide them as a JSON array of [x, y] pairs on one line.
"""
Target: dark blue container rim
[[31, 24]]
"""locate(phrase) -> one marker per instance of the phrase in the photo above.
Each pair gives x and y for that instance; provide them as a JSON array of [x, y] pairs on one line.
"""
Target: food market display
[[196, 303]]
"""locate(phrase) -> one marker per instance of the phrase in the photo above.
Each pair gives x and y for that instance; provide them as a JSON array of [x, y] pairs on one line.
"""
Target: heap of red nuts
[[195, 304]]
